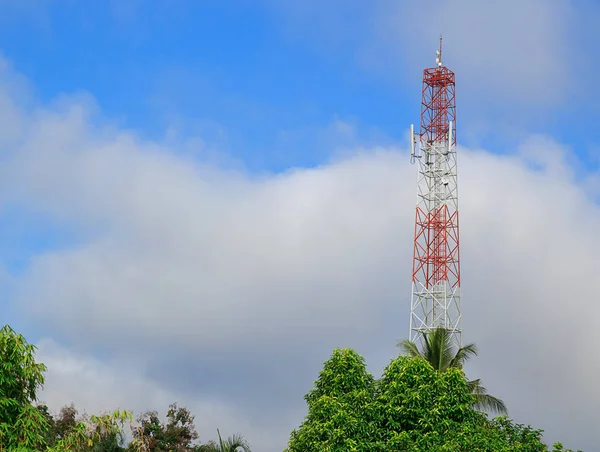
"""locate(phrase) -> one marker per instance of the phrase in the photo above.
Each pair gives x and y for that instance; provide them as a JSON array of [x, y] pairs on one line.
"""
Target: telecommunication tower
[[436, 265]]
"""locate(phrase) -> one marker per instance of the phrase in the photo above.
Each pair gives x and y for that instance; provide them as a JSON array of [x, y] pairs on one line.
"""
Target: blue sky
[[251, 80], [230, 180], [223, 70]]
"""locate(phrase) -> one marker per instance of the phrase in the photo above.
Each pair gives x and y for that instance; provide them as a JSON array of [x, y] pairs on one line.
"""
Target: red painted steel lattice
[[436, 246]]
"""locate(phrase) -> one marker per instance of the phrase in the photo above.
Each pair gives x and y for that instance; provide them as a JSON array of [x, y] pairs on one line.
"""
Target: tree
[[439, 351], [104, 433], [60, 425], [339, 408], [50, 436], [232, 444], [22, 424], [66, 421], [176, 435]]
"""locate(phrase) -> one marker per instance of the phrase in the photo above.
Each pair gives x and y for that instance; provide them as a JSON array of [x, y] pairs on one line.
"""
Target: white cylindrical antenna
[[450, 136]]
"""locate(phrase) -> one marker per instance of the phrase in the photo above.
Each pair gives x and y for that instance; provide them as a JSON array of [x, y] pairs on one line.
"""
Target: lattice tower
[[436, 260]]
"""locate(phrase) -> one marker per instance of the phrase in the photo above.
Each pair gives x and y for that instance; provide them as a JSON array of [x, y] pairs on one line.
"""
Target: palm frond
[[210, 447], [235, 442], [409, 348], [474, 386], [446, 345], [485, 401], [232, 444], [463, 354], [438, 348]]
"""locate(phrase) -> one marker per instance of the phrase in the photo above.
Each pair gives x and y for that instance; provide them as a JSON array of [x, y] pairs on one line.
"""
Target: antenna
[[438, 60], [449, 137], [412, 143]]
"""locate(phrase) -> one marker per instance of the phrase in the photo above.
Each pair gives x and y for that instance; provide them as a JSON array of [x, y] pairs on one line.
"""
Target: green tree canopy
[[176, 435], [103, 433], [413, 408], [413, 397], [22, 424], [337, 407]]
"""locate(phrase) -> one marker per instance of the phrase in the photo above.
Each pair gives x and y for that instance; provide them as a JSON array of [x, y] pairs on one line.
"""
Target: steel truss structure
[[436, 260]]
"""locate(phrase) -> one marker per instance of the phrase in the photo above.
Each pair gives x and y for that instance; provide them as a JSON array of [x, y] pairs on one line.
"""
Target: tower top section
[[438, 113]]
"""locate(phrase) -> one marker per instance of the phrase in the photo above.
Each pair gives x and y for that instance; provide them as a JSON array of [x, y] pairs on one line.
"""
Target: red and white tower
[[436, 267]]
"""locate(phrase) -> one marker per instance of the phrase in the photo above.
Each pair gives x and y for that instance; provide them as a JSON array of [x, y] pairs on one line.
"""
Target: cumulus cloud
[[206, 240], [229, 289]]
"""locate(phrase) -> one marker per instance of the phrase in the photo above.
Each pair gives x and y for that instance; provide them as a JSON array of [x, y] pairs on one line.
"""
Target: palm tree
[[439, 351], [231, 444]]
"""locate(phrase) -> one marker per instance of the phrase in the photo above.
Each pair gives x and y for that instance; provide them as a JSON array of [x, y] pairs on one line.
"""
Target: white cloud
[[204, 240], [231, 289]]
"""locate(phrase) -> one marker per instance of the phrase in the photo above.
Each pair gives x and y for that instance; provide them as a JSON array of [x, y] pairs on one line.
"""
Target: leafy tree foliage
[[413, 408], [103, 433], [22, 424], [338, 404], [106, 433], [438, 349], [50, 436], [59, 426], [415, 398], [176, 435], [66, 421]]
